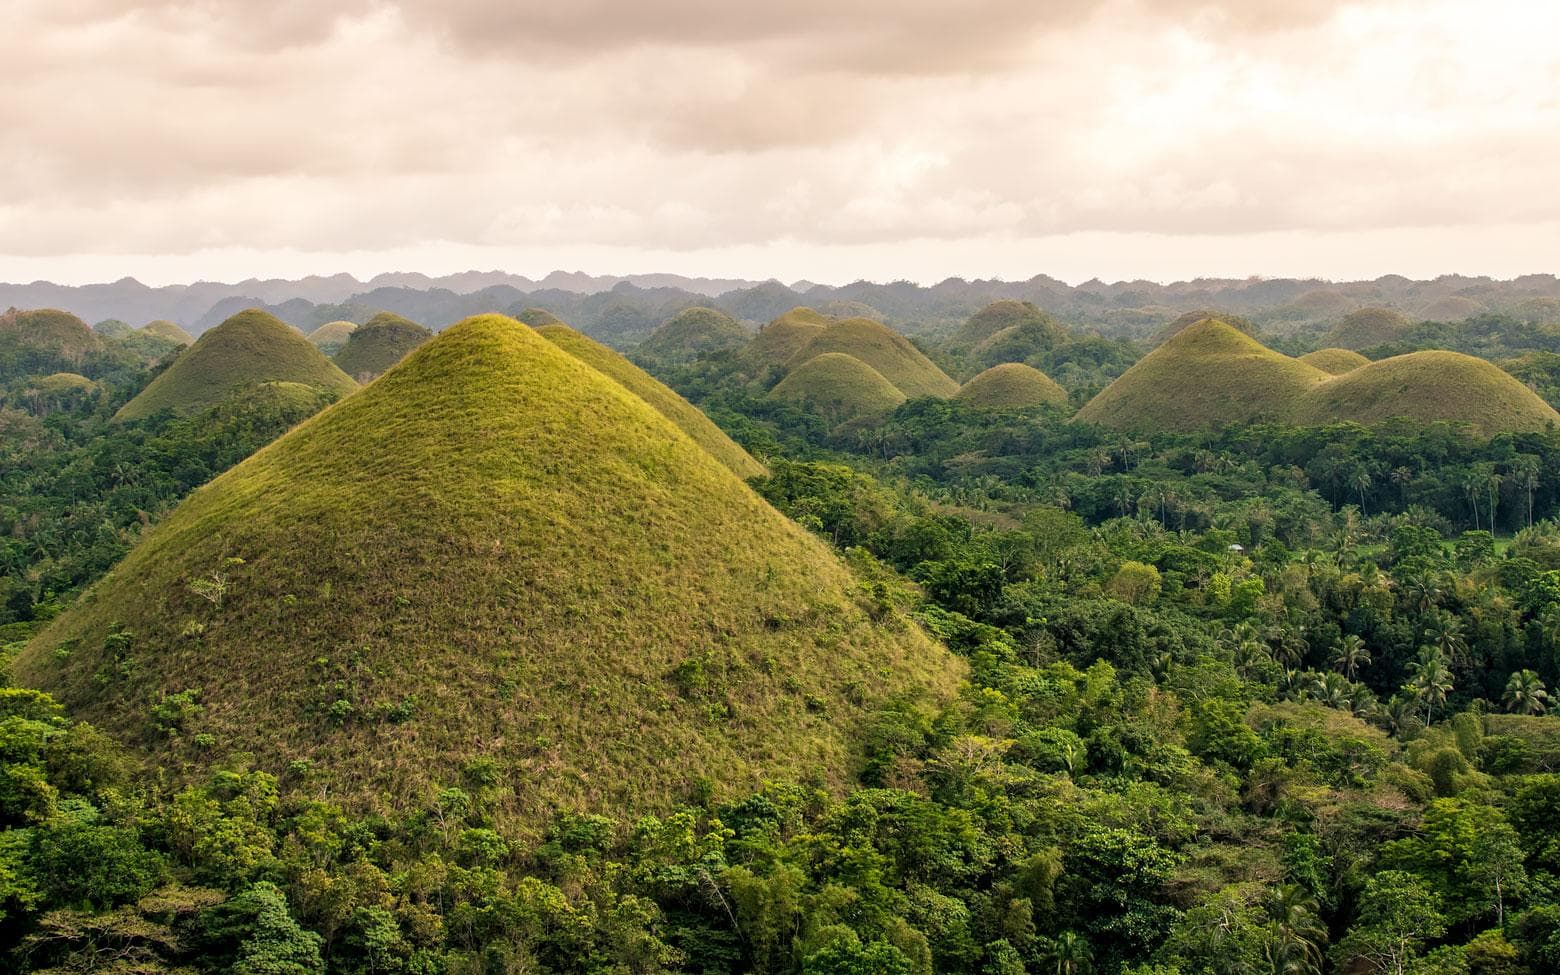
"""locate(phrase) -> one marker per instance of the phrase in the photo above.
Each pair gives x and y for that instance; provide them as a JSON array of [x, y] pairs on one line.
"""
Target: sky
[[827, 140]]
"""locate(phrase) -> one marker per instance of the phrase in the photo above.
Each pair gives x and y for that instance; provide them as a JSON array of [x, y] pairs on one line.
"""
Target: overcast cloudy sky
[[827, 139]]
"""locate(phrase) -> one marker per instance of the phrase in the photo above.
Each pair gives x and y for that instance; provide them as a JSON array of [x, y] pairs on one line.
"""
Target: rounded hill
[[250, 348], [839, 387], [167, 331], [46, 339], [494, 553], [1207, 375], [1368, 327], [378, 344], [537, 317], [777, 342], [999, 316], [1452, 308], [1185, 321], [683, 414], [1426, 387], [1012, 386], [885, 350], [691, 334], [1335, 362], [330, 337]]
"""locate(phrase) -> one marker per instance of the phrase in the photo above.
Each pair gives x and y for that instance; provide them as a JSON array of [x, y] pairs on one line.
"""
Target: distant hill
[[1426, 387], [250, 348], [1206, 375], [1335, 362], [839, 387], [330, 337], [1011, 386], [997, 317], [885, 350], [1368, 327], [378, 344], [683, 414], [44, 340], [168, 331], [1019, 343], [537, 317], [497, 553], [784, 337], [1182, 322], [691, 334], [1452, 308]]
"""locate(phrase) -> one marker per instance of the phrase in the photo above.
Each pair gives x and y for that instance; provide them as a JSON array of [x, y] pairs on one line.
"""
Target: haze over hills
[[494, 552]]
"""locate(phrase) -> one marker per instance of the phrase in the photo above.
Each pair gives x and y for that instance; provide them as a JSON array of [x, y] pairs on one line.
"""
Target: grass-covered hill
[[994, 318], [885, 350], [330, 337], [1452, 308], [1426, 387], [1019, 343], [1012, 386], [44, 340], [167, 331], [495, 555], [683, 414], [840, 388], [1368, 327], [378, 344], [1182, 322], [250, 348], [1335, 362], [1207, 375], [691, 334], [784, 337], [537, 317]]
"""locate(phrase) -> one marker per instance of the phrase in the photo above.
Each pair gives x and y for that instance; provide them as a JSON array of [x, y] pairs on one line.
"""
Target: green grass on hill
[[168, 331], [537, 317], [839, 387], [999, 316], [777, 342], [691, 334], [1184, 321], [330, 337], [679, 411], [1426, 387], [1368, 327], [250, 348], [50, 333], [1207, 375], [1335, 362], [1452, 308], [1012, 386], [493, 553], [378, 344], [885, 350]]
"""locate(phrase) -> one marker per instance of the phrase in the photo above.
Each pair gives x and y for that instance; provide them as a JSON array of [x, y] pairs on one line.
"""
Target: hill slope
[[777, 342], [998, 316], [692, 333], [44, 340], [330, 337], [251, 347], [1012, 386], [885, 350], [378, 344], [1426, 387], [840, 387], [1367, 327], [682, 413], [1335, 362], [494, 552], [168, 331], [1206, 375]]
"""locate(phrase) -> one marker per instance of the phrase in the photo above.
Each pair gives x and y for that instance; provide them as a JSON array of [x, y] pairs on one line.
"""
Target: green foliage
[[376, 345]]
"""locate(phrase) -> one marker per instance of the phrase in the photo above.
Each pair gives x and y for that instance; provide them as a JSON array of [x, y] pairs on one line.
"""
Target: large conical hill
[[882, 348], [1012, 386], [250, 348], [1427, 387], [661, 398], [1206, 375], [494, 552], [378, 344], [784, 337], [839, 387], [691, 334]]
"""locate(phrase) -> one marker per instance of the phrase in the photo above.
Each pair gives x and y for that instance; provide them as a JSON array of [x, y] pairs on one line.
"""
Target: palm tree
[[1430, 681], [1525, 694], [1525, 470], [1402, 477], [1446, 632], [1297, 934], [1472, 484], [1352, 654], [1493, 481], [1360, 481], [1069, 953], [1334, 691]]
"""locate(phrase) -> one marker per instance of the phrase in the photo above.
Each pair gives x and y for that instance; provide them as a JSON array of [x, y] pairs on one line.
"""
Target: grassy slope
[[692, 333], [777, 342], [63, 382], [666, 402], [1206, 375], [168, 331], [1367, 327], [885, 350], [330, 337], [839, 386], [251, 347], [1012, 385], [1335, 362], [49, 330], [522, 552], [1181, 322], [1426, 387], [996, 317], [537, 317], [378, 344]]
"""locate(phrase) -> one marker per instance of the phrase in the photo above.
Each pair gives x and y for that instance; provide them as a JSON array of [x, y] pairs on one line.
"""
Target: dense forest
[[1266, 697]]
